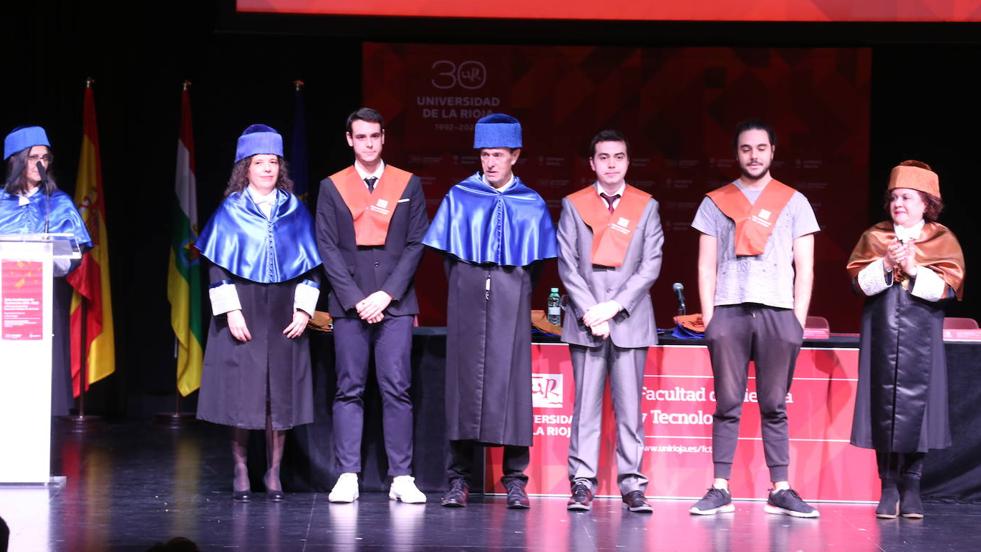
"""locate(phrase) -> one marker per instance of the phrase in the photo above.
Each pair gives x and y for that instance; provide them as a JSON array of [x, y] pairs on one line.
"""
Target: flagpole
[[176, 419], [83, 421]]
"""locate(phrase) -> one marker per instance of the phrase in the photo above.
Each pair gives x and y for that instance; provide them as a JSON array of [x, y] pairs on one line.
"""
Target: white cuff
[[305, 298], [928, 285], [872, 279], [224, 298]]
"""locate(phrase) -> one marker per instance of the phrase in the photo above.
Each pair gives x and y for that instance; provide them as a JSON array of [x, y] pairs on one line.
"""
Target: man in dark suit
[[610, 242], [371, 218]]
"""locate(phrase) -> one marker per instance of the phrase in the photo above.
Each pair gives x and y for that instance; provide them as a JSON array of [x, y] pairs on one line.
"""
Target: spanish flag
[[184, 272], [91, 308]]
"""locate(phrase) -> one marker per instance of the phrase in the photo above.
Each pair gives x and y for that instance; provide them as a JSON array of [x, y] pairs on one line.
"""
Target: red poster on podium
[[22, 305]]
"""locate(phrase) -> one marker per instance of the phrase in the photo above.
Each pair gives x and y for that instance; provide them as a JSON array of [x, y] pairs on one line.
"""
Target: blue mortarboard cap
[[258, 140], [497, 130], [23, 138]]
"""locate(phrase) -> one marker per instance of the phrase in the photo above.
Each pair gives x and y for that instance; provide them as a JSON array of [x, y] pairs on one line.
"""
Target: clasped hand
[[598, 317], [902, 255], [371, 309]]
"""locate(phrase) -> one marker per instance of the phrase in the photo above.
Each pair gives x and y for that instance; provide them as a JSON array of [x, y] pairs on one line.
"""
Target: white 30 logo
[[470, 74]]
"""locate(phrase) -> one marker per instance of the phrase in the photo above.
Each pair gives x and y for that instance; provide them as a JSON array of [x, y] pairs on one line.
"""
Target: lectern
[[26, 269]]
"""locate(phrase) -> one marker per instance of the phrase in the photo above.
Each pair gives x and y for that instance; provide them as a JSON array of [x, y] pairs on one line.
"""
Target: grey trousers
[[770, 337], [590, 366]]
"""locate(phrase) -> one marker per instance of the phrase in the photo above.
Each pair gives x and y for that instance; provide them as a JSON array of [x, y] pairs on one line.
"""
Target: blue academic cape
[[240, 239], [478, 224]]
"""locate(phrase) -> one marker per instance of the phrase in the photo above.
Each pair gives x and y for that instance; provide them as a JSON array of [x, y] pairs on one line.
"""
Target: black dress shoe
[[581, 499], [635, 502], [458, 494], [275, 496], [517, 497], [241, 496]]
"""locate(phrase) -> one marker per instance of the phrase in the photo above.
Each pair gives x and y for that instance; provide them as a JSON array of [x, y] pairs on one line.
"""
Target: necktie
[[370, 181], [610, 200]]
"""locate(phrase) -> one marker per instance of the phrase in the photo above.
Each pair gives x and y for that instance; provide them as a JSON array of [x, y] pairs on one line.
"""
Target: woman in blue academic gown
[[31, 203], [264, 272]]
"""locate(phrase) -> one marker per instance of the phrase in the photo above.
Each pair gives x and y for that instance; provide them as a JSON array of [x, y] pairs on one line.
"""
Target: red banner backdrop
[[717, 10], [677, 407], [677, 106]]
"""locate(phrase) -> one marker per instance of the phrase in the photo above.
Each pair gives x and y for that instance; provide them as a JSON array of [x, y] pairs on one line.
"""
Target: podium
[[26, 272]]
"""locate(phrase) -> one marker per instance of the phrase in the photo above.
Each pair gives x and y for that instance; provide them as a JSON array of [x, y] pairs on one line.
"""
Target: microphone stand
[[47, 195]]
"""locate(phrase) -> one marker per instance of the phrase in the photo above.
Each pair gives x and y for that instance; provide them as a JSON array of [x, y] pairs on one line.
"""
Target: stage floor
[[133, 484]]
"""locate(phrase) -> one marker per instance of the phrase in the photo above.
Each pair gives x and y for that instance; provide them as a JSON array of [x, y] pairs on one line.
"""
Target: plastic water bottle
[[554, 312]]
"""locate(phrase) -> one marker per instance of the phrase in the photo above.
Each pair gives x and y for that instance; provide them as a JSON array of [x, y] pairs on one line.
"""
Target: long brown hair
[[16, 182], [239, 180]]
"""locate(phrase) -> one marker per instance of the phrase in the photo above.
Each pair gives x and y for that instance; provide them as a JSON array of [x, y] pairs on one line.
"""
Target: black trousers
[[391, 342], [771, 338], [460, 464]]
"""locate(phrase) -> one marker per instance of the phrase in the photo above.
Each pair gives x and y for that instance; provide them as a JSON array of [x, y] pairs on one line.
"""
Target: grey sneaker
[[715, 501], [788, 502]]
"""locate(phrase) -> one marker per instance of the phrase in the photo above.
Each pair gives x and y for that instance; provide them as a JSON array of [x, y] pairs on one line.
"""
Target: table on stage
[[677, 406]]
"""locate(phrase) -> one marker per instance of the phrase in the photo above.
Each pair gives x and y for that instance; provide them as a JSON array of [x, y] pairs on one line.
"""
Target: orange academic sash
[[611, 231], [372, 211], [754, 222]]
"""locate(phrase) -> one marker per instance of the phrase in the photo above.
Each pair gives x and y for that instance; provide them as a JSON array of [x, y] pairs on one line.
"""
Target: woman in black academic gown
[[31, 203], [907, 268], [264, 272]]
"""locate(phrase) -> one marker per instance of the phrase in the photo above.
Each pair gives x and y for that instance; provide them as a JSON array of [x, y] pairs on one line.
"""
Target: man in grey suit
[[610, 242]]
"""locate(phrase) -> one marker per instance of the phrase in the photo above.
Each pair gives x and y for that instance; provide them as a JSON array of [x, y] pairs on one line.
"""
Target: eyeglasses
[[42, 158]]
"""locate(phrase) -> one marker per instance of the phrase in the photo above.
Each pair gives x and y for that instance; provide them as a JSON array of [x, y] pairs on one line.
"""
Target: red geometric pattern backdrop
[[677, 106], [716, 10]]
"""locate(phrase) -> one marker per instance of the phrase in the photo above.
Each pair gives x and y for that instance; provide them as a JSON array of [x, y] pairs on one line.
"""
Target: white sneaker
[[404, 489], [346, 488]]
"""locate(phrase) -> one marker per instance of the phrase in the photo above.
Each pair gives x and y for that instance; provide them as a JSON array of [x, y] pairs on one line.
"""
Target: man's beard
[[748, 176]]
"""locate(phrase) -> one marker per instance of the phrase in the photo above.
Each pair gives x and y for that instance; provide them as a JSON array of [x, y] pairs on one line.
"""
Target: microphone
[[679, 292], [47, 193]]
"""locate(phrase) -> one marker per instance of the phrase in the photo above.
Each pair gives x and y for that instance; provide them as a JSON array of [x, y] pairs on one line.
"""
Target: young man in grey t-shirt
[[755, 274]]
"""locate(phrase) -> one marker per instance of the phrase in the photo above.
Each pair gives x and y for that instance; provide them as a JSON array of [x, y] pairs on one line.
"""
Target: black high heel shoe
[[273, 495], [241, 476]]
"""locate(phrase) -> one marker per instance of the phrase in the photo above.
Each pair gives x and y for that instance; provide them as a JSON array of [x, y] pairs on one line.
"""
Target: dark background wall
[[241, 67]]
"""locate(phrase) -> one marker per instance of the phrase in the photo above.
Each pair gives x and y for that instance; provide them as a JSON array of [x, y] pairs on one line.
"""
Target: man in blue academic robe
[[494, 231]]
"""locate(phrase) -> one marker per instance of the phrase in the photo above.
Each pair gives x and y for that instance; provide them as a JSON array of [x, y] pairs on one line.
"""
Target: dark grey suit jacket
[[355, 272], [587, 284]]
